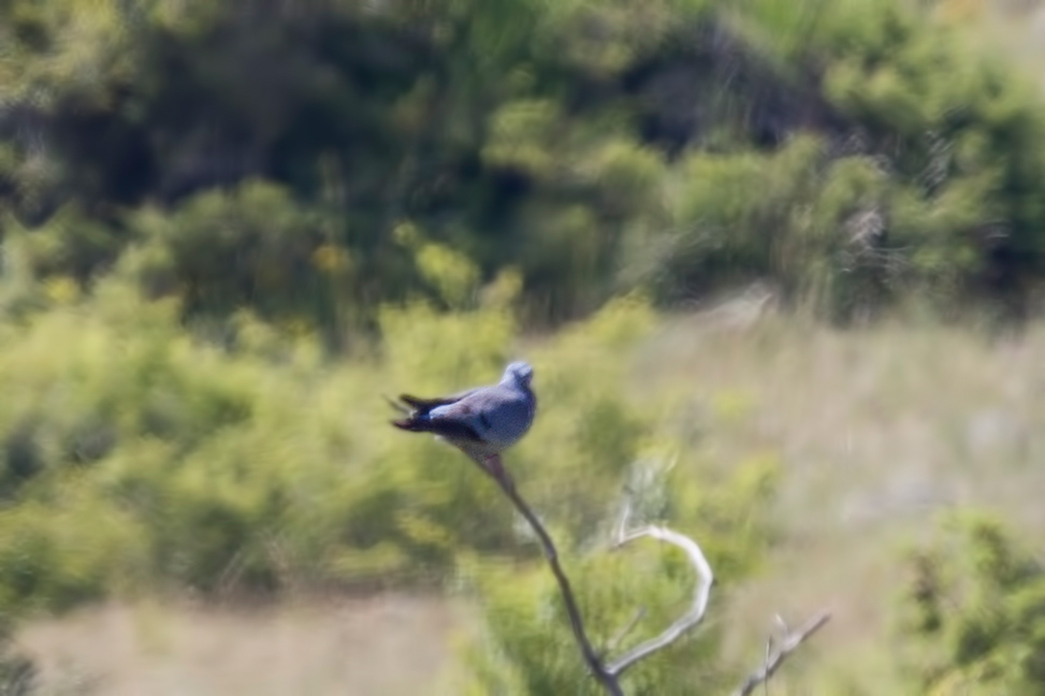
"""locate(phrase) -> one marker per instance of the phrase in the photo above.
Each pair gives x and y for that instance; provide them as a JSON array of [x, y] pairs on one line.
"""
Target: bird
[[482, 422]]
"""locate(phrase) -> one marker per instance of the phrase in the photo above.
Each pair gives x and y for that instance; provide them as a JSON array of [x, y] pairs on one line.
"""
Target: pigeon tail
[[453, 430], [426, 405], [414, 426]]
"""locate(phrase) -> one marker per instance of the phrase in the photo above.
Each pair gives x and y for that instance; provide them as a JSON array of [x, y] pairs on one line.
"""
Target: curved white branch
[[701, 594]]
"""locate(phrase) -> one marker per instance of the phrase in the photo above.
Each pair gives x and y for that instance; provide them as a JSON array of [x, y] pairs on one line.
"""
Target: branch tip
[[790, 643]]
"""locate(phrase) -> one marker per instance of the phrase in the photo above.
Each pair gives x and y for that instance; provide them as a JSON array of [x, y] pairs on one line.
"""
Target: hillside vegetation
[[229, 228]]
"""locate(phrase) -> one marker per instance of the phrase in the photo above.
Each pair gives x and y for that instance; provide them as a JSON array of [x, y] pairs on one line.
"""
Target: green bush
[[973, 617], [253, 247], [527, 646], [258, 464]]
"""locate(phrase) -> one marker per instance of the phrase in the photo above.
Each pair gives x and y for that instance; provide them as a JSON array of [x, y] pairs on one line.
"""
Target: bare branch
[[701, 594], [551, 554], [789, 645]]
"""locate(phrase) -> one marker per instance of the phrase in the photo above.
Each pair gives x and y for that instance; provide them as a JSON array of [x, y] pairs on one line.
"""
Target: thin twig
[[628, 628], [789, 645], [701, 594], [769, 648]]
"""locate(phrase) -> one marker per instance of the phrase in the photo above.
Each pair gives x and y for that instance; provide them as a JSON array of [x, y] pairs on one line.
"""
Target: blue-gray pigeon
[[481, 422]]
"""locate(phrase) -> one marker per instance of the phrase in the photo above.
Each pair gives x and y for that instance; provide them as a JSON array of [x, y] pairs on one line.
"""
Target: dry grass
[[877, 430], [386, 645]]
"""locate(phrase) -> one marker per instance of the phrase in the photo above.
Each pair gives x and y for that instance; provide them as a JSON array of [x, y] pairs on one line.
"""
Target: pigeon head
[[518, 372]]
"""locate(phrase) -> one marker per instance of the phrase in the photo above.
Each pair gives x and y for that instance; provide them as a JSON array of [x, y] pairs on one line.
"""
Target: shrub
[[973, 611]]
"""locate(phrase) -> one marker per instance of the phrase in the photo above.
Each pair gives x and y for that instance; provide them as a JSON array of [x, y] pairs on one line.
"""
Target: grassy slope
[[877, 430]]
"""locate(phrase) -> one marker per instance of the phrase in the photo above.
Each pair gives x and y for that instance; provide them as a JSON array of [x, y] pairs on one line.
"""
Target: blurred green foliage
[[974, 611], [259, 464], [254, 153]]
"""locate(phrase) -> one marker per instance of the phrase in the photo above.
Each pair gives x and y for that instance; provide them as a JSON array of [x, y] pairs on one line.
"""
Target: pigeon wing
[[448, 421], [499, 414]]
